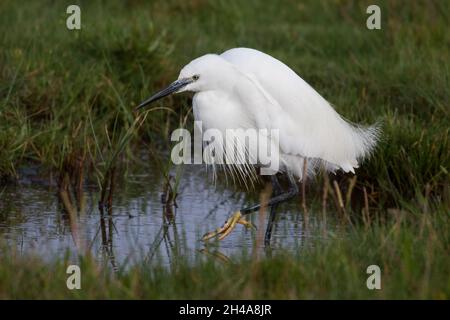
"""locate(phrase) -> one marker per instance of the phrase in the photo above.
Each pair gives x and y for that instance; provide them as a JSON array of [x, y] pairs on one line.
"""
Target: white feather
[[309, 126], [245, 88]]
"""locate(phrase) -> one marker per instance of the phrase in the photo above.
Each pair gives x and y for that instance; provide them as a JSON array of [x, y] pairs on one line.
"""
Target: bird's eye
[[195, 77]]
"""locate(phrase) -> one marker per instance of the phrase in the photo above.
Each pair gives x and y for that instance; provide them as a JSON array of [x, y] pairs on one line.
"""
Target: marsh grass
[[67, 99], [70, 94]]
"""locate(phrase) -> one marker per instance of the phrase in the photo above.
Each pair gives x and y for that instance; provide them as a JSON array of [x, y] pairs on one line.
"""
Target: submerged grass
[[66, 101]]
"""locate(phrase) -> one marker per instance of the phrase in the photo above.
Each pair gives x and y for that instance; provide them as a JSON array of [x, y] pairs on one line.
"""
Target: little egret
[[248, 89]]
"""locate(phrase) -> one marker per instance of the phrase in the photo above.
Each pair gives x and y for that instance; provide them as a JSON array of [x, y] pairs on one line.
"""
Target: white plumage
[[309, 126], [245, 88]]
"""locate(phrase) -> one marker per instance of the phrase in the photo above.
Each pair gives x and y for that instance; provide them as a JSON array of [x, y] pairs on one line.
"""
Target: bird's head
[[204, 73]]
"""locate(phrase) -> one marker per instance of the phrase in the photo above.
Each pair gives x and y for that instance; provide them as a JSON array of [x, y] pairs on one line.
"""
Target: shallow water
[[139, 228]]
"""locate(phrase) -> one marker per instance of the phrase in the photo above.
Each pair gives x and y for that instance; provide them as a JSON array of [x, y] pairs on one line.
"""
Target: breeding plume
[[247, 89]]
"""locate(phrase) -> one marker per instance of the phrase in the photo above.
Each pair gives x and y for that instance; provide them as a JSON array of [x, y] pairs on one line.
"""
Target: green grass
[[67, 94], [66, 101]]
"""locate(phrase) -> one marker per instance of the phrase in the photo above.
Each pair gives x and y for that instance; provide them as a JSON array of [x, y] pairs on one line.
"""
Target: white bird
[[248, 89]]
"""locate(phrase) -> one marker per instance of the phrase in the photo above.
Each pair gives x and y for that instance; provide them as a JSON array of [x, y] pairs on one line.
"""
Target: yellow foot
[[228, 226]]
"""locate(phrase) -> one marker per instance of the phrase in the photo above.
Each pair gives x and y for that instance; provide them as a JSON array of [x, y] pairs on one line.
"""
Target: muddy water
[[140, 228]]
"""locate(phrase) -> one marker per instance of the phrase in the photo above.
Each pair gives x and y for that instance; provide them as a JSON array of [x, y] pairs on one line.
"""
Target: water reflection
[[147, 221]]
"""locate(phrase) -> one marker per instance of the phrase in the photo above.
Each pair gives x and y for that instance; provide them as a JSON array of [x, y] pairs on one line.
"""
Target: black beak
[[172, 88]]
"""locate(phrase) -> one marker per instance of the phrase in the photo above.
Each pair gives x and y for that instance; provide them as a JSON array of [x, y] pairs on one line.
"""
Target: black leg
[[276, 190], [270, 223], [277, 197], [293, 190]]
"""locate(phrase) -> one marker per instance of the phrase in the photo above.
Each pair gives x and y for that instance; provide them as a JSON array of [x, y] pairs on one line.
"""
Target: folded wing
[[309, 126]]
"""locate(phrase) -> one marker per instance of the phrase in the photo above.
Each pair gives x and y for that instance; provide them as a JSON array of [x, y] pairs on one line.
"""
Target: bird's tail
[[365, 140]]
